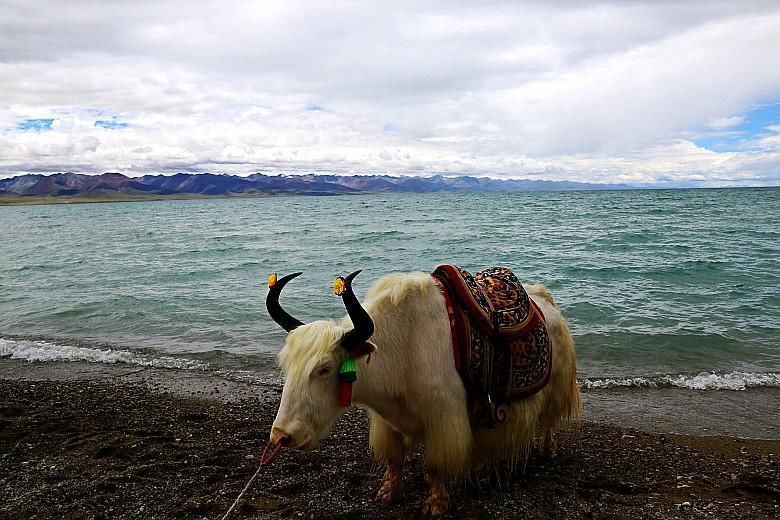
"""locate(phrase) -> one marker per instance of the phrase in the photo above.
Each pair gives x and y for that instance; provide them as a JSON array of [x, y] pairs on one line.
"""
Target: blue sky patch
[[35, 125], [312, 107], [742, 137], [111, 124], [391, 128]]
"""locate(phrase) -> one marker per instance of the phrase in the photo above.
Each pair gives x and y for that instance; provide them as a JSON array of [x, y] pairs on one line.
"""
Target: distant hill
[[115, 186]]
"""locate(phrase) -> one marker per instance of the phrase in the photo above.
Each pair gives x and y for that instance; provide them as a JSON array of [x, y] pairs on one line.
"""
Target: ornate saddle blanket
[[500, 341]]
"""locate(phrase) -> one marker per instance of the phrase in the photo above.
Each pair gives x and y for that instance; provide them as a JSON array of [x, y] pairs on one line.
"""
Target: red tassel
[[345, 393]]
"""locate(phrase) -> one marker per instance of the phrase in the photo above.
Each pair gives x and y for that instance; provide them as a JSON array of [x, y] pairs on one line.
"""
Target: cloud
[[725, 122], [608, 91], [768, 141]]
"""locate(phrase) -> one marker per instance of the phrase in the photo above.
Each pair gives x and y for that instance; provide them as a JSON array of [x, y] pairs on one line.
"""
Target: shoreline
[[749, 413], [133, 444]]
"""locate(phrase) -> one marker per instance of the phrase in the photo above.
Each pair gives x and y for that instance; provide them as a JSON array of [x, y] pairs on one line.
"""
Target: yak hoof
[[436, 505], [438, 499], [392, 485], [390, 491], [550, 448]]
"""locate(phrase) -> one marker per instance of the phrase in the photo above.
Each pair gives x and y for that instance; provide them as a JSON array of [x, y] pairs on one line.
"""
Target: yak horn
[[363, 325], [278, 314]]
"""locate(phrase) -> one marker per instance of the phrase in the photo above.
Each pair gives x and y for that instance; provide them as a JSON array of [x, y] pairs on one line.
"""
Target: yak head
[[310, 360]]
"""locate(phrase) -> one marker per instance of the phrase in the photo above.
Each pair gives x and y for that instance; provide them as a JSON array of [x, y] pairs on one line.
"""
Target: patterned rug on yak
[[500, 341]]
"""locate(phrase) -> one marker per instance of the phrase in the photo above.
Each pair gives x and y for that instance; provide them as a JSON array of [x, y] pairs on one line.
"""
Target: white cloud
[[608, 92], [767, 141], [721, 123]]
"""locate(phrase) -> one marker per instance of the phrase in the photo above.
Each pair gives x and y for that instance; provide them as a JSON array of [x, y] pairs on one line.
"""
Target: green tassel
[[348, 371]]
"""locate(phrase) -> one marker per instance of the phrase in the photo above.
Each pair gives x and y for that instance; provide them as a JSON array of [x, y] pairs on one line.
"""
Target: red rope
[[266, 458]]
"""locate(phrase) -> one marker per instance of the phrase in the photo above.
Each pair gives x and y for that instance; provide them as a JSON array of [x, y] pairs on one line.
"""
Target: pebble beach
[[143, 445]]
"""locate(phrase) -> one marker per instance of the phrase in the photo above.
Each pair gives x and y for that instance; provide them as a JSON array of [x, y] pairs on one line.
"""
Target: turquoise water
[[675, 288]]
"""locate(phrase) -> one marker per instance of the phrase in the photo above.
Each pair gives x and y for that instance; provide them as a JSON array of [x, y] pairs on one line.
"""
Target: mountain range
[[116, 186]]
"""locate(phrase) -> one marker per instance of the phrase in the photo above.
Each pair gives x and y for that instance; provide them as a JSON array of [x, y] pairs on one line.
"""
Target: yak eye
[[324, 371]]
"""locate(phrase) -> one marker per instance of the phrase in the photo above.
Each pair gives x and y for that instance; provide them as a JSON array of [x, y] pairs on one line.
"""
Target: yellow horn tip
[[338, 286], [271, 280]]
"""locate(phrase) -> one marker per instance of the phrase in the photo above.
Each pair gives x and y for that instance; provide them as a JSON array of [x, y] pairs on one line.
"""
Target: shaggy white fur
[[411, 386]]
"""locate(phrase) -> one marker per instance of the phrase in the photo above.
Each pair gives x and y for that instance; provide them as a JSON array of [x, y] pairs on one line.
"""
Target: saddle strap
[[453, 322]]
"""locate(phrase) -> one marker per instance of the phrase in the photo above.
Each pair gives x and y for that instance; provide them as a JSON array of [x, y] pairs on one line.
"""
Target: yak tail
[[539, 289]]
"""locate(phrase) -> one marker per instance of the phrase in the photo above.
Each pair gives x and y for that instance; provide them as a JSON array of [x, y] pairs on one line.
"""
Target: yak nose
[[279, 436]]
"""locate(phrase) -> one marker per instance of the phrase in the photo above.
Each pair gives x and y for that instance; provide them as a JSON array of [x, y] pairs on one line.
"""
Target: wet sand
[[109, 449]]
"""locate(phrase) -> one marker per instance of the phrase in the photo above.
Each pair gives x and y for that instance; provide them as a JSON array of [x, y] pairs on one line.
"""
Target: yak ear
[[364, 349]]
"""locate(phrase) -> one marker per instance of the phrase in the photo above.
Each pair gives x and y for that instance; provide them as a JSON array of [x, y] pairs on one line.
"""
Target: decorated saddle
[[500, 342]]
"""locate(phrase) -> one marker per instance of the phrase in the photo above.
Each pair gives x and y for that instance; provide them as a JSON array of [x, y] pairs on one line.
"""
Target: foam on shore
[[701, 381], [45, 351], [40, 351]]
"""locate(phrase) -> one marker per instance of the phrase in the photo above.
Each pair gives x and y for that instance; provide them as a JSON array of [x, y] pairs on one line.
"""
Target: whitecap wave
[[44, 351], [701, 381], [634, 382], [730, 381]]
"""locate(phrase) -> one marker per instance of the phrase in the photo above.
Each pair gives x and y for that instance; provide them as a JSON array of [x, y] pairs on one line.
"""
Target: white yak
[[410, 387]]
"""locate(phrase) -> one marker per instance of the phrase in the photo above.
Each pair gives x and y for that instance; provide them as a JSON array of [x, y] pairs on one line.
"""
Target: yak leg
[[549, 446], [439, 498], [388, 446], [447, 450], [392, 487]]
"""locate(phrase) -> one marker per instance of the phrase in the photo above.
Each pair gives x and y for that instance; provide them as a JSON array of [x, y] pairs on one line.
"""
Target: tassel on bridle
[[347, 376]]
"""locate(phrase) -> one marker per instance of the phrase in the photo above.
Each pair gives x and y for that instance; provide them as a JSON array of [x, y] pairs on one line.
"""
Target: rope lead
[[265, 459]]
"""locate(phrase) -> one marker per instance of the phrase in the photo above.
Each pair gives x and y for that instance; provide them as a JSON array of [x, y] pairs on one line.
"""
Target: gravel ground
[[97, 449]]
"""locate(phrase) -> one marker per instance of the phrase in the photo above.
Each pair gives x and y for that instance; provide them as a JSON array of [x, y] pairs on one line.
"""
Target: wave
[[44, 351], [701, 381], [40, 351]]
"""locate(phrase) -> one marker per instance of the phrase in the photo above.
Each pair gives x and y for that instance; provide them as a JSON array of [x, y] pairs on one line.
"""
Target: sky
[[647, 92]]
